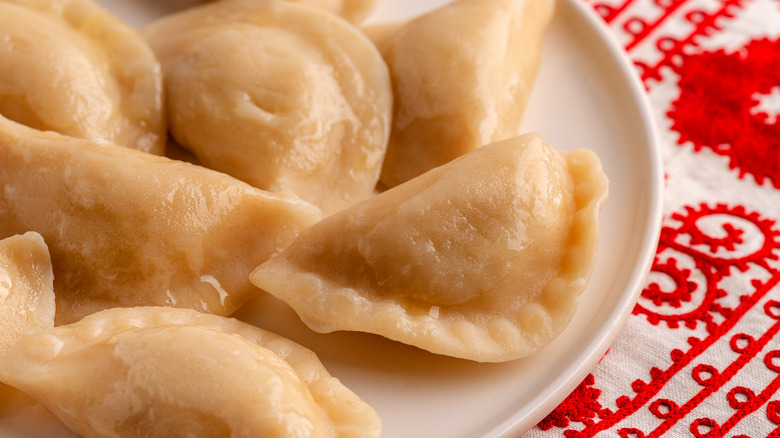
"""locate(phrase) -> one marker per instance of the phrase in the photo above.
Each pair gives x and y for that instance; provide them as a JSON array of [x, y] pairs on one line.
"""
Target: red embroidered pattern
[[722, 88], [640, 28], [715, 281], [610, 12], [714, 256], [580, 406]]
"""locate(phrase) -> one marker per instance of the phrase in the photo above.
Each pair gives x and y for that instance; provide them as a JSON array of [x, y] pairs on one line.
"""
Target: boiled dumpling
[[26, 287], [157, 372], [483, 258], [70, 66], [352, 10], [280, 95], [127, 228], [26, 302], [461, 76]]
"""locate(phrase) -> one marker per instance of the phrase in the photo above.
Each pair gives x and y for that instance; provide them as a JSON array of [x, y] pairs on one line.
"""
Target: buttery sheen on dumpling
[[26, 287], [351, 10], [71, 67], [482, 258], [162, 372], [280, 95], [127, 228], [461, 76]]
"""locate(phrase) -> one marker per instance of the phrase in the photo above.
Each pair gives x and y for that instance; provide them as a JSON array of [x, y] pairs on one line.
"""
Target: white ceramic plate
[[586, 95]]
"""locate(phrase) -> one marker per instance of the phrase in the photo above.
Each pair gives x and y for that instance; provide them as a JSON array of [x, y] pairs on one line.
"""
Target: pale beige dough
[[483, 258], [163, 372], [354, 11], [461, 77], [26, 287], [26, 302], [72, 67], [127, 228], [282, 96]]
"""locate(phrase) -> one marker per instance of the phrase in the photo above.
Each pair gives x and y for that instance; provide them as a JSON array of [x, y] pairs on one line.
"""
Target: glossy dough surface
[[71, 67], [461, 76], [26, 287], [483, 258], [162, 372], [126, 228], [280, 95]]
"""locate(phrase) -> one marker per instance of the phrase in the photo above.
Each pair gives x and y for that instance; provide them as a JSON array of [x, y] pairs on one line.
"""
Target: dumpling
[[70, 66], [157, 372], [127, 228], [280, 95], [26, 287], [482, 258], [26, 302], [351, 10], [461, 76], [26, 306]]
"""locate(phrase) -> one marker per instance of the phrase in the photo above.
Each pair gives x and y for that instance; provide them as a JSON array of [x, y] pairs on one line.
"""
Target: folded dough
[[162, 372], [26, 302], [461, 76], [280, 95], [127, 228], [70, 66], [483, 258], [26, 287]]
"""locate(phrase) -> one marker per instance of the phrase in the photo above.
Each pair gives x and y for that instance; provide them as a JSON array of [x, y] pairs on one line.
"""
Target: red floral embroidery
[[723, 88], [580, 406], [716, 272]]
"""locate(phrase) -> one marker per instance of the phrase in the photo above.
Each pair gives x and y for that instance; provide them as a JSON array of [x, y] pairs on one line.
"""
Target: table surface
[[700, 354]]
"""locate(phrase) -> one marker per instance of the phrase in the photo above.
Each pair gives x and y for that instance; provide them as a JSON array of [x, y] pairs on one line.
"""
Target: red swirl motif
[[698, 250], [716, 276], [711, 253]]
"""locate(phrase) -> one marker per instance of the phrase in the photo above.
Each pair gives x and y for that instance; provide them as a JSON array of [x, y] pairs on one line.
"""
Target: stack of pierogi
[[371, 177]]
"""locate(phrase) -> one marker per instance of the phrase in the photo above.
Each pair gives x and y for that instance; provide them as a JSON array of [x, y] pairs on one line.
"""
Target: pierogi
[[70, 66], [26, 287], [163, 372], [461, 77], [127, 228], [280, 95], [353, 11], [26, 303], [483, 258]]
